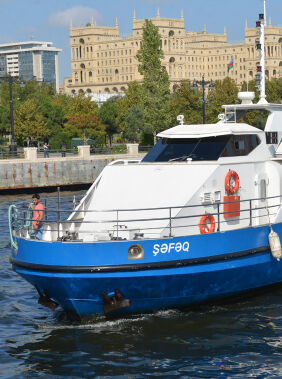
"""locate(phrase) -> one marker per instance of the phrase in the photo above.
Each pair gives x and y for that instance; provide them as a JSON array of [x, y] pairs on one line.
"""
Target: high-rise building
[[104, 62], [30, 60]]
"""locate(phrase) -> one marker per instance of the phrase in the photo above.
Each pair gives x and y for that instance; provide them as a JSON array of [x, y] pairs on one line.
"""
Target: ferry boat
[[198, 218]]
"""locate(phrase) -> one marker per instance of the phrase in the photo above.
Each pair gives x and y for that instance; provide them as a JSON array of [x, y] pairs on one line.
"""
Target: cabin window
[[208, 149], [240, 145], [180, 149], [271, 138]]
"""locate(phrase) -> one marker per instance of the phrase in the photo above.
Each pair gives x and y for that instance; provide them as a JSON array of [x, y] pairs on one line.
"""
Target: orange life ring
[[229, 189], [205, 227]]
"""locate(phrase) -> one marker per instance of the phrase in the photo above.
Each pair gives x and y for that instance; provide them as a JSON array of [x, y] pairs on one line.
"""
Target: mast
[[260, 77]]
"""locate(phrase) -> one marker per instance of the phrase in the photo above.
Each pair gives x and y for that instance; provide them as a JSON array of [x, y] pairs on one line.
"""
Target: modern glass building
[[30, 60]]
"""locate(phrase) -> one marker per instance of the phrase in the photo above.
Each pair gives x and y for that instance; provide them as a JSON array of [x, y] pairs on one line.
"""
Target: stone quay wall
[[34, 172]]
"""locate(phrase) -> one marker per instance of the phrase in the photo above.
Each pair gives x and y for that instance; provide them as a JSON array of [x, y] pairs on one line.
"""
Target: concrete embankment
[[33, 172]]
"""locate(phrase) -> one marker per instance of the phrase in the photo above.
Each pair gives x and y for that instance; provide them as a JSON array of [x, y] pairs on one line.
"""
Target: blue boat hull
[[202, 268]]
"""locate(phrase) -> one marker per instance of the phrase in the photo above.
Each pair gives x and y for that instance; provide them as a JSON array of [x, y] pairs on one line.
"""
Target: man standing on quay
[[37, 219]]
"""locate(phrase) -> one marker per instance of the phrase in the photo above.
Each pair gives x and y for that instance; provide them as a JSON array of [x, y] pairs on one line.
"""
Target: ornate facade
[[104, 62]]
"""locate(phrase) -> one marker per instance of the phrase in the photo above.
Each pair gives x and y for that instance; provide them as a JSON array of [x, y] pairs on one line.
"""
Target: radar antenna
[[260, 76]]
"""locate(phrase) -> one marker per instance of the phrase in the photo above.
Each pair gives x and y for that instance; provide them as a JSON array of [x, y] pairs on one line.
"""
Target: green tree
[[31, 90], [135, 121], [56, 119], [108, 114], [85, 126], [273, 90], [5, 121], [29, 123], [224, 92], [81, 105], [133, 96], [81, 118], [185, 101], [155, 86], [34, 90]]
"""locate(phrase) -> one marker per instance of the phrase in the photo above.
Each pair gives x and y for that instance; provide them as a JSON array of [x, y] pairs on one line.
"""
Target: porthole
[[135, 252]]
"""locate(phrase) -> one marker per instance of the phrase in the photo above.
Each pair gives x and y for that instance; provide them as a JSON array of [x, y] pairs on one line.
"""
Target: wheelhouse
[[202, 149]]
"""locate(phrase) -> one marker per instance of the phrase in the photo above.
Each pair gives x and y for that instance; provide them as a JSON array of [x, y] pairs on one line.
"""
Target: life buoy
[[207, 227], [231, 190]]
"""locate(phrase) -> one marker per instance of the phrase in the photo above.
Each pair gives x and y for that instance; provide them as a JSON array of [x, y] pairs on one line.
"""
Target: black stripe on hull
[[138, 266]]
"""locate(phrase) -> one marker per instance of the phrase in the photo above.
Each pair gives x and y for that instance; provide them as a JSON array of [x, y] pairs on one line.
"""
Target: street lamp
[[13, 146], [10, 79], [203, 83]]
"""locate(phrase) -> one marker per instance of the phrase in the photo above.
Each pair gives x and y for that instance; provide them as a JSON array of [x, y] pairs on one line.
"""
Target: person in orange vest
[[37, 218]]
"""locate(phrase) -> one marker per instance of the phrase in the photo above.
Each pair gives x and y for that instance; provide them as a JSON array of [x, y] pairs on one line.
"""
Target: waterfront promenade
[[35, 172]]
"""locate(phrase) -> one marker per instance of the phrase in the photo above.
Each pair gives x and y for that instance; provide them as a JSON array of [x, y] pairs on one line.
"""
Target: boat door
[[261, 185]]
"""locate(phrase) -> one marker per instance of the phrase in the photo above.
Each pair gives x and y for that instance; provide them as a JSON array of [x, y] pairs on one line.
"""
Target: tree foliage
[[185, 101], [133, 97], [155, 86], [82, 118], [135, 121], [81, 105], [224, 92], [84, 126], [108, 114], [146, 108], [29, 123]]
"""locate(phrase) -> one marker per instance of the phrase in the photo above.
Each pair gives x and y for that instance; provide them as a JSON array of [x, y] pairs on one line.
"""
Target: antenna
[[260, 76], [180, 118], [264, 10]]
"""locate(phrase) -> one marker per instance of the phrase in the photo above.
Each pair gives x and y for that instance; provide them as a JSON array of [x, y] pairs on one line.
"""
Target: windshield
[[180, 149]]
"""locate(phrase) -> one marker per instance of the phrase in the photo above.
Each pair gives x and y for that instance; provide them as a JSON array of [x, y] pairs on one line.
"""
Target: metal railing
[[7, 154], [144, 149], [161, 221], [114, 149], [53, 153], [56, 153]]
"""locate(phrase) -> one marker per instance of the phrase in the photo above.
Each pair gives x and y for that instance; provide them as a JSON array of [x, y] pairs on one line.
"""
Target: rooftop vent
[[246, 97]]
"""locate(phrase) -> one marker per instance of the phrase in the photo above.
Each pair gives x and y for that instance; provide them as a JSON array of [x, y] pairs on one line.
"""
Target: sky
[[49, 20]]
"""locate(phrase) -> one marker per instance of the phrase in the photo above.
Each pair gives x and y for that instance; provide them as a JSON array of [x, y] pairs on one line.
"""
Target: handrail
[[117, 220], [116, 225], [163, 208], [143, 228]]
